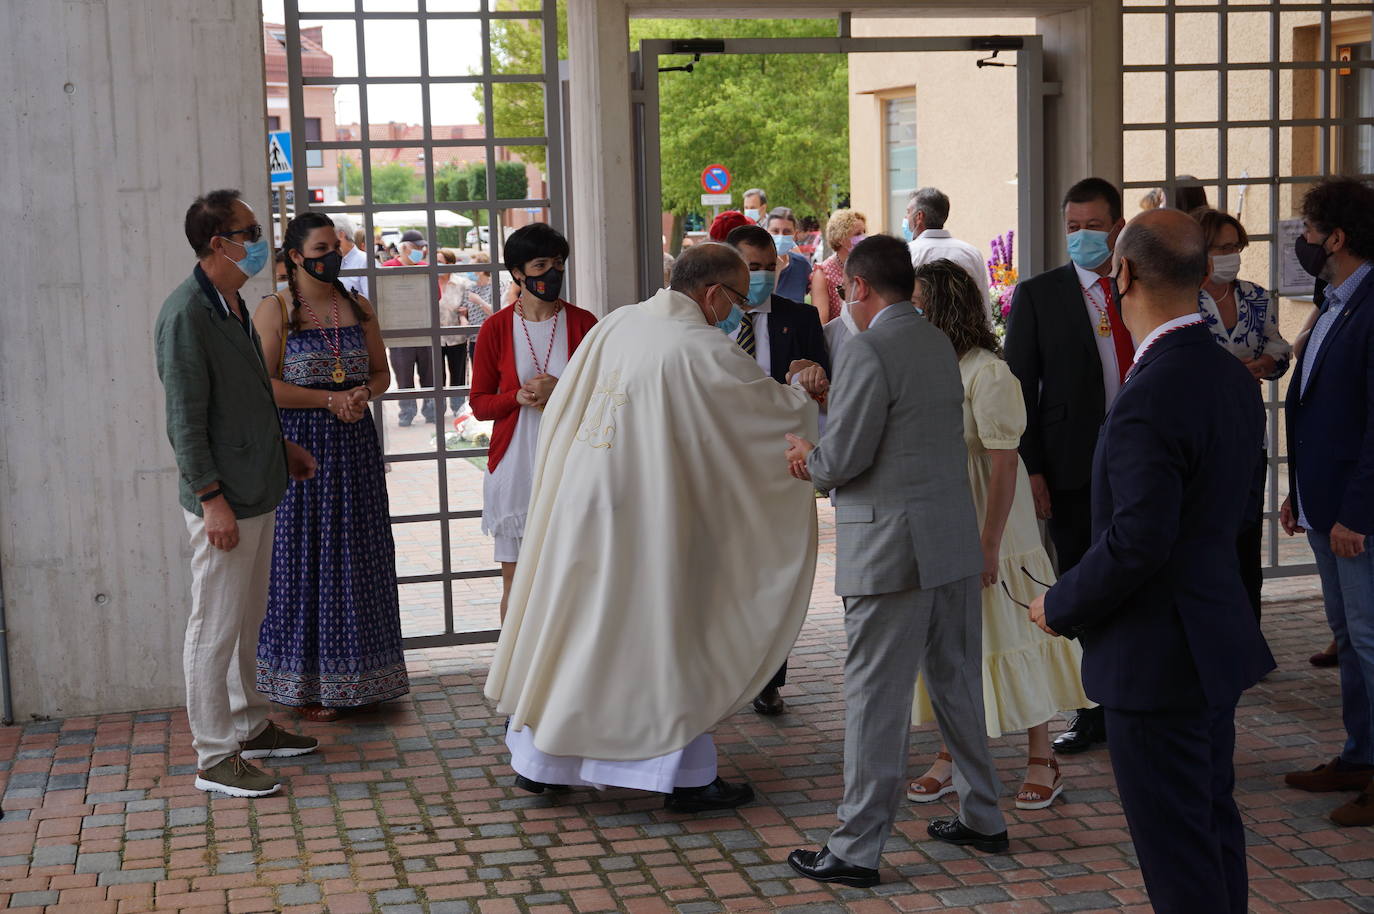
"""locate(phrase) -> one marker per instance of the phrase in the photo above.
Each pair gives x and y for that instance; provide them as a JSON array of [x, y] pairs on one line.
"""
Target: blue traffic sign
[[279, 156], [715, 179]]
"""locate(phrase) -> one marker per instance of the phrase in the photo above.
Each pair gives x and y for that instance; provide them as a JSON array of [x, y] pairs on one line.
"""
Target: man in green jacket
[[233, 461]]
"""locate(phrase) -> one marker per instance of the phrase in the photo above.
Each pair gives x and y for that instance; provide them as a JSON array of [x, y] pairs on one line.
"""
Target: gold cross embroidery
[[598, 422]]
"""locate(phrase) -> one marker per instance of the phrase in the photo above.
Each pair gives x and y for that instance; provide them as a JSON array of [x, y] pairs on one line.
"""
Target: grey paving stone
[[395, 896], [450, 907], [698, 907], [504, 858], [187, 815], [114, 818], [332, 871], [544, 898], [32, 899], [305, 893], [53, 854], [1083, 901], [973, 895], [97, 863], [116, 796], [237, 863]]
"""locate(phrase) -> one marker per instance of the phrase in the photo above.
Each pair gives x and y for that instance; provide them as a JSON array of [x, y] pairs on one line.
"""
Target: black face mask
[[324, 268], [1311, 256], [547, 286]]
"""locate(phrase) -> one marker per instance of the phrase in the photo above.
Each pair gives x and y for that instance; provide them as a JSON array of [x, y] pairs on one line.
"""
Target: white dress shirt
[[355, 260], [932, 244], [1095, 301], [763, 353]]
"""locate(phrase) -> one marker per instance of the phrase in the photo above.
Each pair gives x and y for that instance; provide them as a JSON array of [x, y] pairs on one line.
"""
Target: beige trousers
[[228, 602]]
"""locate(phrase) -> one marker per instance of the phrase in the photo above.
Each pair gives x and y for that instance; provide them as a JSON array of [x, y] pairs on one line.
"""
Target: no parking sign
[[715, 179]]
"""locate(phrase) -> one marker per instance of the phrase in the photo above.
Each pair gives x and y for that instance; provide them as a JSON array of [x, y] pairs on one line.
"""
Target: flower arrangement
[[1001, 280]]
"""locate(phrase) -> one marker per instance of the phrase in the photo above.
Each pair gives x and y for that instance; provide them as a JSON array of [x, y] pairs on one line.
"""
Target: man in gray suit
[[907, 565]]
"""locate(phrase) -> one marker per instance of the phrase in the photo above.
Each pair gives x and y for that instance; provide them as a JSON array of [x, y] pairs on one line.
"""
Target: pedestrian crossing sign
[[279, 156]]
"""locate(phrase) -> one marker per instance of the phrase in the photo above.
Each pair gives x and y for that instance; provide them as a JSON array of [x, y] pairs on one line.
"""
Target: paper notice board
[[402, 302], [1293, 279]]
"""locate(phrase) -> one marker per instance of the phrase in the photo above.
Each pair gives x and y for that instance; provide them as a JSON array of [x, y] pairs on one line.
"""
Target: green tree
[[395, 182], [350, 176], [777, 121]]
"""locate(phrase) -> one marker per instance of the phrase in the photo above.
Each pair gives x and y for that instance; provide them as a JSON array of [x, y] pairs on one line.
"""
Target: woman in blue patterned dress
[[1244, 320], [332, 636]]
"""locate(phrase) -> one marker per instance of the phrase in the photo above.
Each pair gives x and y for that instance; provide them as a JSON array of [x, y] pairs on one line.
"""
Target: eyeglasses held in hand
[[1034, 579]]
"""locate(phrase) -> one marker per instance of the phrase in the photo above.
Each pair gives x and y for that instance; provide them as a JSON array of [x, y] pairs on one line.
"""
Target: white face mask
[[1225, 267], [847, 315]]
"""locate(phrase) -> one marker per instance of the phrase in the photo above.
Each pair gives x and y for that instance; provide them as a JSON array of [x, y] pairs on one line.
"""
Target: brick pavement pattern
[[410, 809]]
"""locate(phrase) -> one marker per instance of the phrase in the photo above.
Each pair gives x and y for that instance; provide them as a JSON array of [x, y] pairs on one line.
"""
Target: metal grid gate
[[408, 312], [1245, 99]]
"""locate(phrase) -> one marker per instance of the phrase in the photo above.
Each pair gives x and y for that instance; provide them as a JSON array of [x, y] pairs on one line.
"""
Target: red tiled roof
[[315, 61]]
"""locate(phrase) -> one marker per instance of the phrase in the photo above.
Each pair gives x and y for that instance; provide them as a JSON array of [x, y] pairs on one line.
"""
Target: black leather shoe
[[716, 795], [824, 866], [526, 784], [952, 831], [1089, 726], [769, 703]]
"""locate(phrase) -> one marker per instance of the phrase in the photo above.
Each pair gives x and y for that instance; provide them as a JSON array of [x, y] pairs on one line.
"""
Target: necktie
[[1121, 337], [745, 339]]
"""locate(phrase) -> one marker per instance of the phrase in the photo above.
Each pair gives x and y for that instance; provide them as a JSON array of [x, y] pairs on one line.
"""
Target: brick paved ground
[[411, 810]]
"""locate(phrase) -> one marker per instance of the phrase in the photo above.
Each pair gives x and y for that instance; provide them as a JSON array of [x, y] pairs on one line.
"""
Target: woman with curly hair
[[845, 229], [1027, 676]]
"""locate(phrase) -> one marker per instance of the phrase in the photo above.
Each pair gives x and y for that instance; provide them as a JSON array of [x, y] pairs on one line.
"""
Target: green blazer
[[221, 417]]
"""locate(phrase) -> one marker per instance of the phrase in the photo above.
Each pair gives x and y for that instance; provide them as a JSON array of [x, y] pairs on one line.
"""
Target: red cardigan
[[494, 379]]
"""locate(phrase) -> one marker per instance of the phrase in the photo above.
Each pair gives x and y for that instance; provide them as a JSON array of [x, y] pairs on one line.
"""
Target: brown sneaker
[[237, 778], [1330, 777], [274, 742], [1359, 811]]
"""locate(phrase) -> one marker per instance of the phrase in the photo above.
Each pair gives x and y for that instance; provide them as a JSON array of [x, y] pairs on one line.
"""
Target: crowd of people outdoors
[[1067, 519]]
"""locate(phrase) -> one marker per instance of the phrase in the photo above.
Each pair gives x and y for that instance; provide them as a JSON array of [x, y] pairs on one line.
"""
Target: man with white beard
[[670, 563]]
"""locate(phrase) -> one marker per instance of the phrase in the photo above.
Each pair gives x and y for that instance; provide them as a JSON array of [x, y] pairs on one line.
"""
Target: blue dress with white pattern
[[332, 634]]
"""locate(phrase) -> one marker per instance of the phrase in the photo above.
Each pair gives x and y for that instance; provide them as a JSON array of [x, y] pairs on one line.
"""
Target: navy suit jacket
[[1157, 600], [1331, 425], [794, 332]]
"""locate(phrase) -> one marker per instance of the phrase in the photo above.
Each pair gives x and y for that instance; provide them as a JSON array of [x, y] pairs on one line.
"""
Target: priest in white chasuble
[[667, 563]]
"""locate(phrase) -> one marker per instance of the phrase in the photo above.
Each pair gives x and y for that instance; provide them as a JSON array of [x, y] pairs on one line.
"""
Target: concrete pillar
[[601, 166], [1083, 134], [118, 114]]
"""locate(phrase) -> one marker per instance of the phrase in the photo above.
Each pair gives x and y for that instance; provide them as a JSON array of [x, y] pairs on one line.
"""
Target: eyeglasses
[[1226, 249], [742, 297], [254, 232], [1033, 578]]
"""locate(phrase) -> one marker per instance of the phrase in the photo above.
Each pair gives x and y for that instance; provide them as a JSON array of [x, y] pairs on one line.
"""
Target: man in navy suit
[[1169, 638], [1331, 467], [785, 338]]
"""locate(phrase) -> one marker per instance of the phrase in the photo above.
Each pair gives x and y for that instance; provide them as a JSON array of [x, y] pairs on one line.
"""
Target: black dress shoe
[[824, 866], [952, 831], [716, 795], [1089, 726], [526, 784], [769, 703]]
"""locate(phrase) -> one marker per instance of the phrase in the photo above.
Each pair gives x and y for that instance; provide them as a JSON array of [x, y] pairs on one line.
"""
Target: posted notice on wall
[[402, 303], [1293, 279]]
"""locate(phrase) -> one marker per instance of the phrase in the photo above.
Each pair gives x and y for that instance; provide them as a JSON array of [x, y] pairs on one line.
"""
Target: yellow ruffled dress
[[1028, 676]]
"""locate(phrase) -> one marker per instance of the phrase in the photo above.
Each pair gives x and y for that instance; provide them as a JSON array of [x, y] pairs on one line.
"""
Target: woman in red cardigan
[[520, 353]]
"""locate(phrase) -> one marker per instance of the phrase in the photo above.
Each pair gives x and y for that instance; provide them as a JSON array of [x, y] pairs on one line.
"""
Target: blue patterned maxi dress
[[332, 634]]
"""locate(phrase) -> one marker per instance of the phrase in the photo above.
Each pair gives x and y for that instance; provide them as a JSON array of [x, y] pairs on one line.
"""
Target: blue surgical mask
[[416, 256], [785, 244], [731, 321], [752, 215], [283, 286], [761, 283], [255, 256], [906, 229], [1088, 248]]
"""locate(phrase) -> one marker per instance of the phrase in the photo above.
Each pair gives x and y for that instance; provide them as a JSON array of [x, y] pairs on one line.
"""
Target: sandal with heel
[[1040, 796], [928, 789]]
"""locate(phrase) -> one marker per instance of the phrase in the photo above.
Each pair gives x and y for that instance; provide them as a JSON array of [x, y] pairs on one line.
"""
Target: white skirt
[[692, 766]]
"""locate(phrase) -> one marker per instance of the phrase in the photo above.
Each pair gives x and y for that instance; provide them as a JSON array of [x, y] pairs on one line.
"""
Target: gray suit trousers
[[892, 637]]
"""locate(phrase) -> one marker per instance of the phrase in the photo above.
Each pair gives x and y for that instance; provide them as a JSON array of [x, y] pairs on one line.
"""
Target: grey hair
[[933, 203], [343, 224], [763, 197], [703, 265]]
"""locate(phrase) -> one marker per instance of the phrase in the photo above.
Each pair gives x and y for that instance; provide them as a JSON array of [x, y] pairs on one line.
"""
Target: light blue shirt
[[1333, 305]]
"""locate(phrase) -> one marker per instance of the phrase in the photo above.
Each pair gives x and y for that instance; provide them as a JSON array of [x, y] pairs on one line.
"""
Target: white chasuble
[[668, 555]]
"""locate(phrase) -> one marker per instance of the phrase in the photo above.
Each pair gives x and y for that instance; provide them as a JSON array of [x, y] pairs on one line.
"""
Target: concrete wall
[[117, 114]]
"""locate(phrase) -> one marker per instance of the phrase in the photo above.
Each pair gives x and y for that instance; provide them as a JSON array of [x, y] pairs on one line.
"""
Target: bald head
[[1165, 251], [703, 265]]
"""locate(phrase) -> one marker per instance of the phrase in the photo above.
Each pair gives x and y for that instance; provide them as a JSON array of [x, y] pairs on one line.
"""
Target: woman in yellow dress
[[1028, 676]]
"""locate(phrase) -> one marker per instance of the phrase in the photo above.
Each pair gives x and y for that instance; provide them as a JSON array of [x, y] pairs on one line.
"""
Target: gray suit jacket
[[894, 452]]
